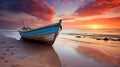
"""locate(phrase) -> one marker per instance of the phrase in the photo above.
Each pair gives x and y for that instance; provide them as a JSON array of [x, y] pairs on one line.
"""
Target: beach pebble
[[78, 36], [105, 39], [98, 39]]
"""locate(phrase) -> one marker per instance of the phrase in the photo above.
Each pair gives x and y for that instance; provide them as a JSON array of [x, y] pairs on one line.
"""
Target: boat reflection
[[39, 54]]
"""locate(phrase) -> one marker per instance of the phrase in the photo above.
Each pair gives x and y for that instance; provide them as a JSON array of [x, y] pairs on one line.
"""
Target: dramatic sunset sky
[[76, 14]]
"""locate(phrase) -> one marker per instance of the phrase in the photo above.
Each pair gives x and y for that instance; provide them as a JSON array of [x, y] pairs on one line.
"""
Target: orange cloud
[[105, 23], [98, 7], [39, 9]]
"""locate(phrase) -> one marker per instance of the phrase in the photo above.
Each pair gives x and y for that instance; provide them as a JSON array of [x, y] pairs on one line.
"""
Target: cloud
[[109, 23], [40, 9], [98, 7], [66, 2]]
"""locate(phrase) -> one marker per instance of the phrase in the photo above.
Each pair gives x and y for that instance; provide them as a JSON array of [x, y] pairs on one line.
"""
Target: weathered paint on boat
[[47, 33]]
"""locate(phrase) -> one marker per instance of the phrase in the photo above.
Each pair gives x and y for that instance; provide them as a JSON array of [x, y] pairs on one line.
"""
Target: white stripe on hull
[[45, 37]]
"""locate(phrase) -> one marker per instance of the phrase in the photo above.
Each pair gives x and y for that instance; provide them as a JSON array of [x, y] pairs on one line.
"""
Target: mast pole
[[27, 20], [24, 24]]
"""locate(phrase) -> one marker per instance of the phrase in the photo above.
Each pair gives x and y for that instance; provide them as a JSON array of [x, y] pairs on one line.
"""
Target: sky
[[76, 14]]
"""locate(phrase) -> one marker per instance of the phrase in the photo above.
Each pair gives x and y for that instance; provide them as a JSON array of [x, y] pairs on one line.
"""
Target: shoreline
[[64, 52]]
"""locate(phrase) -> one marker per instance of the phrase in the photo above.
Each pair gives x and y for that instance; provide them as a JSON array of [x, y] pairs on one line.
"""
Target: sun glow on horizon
[[95, 26]]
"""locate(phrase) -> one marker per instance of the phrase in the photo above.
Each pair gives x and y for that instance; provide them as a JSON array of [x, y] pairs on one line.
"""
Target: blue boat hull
[[48, 33]]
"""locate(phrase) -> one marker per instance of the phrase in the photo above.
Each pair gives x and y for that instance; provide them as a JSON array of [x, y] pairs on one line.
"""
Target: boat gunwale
[[42, 34], [52, 25]]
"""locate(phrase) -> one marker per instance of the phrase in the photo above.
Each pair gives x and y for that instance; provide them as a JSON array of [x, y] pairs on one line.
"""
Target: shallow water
[[90, 32], [82, 52], [76, 54]]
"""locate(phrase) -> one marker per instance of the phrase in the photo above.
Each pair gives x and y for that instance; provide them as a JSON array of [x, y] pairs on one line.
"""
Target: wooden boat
[[43, 34]]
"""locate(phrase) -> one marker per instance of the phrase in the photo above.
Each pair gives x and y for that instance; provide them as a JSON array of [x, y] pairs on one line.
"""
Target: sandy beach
[[59, 33], [67, 51], [16, 53]]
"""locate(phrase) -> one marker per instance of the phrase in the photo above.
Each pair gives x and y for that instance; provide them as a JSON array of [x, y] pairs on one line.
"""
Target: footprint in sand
[[6, 61], [2, 42], [16, 65], [4, 54], [8, 49], [12, 53], [2, 58]]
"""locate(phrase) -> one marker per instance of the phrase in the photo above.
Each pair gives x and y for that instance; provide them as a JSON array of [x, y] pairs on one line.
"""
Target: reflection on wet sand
[[14, 53], [72, 52], [77, 54], [98, 55]]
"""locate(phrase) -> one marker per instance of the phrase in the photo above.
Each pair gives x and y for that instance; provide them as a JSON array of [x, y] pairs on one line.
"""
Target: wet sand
[[65, 52], [85, 53], [16, 53]]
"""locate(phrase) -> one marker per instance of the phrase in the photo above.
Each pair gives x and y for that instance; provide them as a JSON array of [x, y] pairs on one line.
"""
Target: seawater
[[106, 32]]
